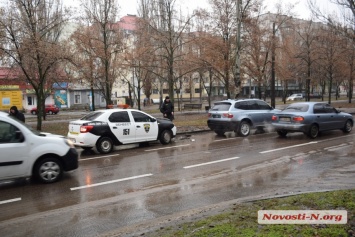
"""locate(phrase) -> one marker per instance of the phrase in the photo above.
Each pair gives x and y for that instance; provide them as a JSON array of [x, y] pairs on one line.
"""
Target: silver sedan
[[311, 118]]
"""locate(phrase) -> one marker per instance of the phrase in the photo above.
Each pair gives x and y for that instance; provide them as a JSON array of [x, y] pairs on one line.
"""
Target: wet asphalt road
[[125, 192]]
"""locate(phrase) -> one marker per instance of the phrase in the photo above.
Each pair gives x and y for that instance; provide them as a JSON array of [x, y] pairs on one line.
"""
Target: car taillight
[[228, 115], [86, 128], [274, 118], [298, 119]]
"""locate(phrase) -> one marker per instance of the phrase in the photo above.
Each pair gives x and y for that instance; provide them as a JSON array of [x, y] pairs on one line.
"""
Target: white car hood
[[46, 134]]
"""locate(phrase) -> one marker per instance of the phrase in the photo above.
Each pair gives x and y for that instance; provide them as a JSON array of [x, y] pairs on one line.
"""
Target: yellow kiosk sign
[[9, 98], [9, 87]]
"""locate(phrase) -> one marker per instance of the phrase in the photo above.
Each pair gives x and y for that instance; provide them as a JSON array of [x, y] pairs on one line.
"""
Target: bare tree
[[347, 15], [101, 17], [224, 24], [308, 33], [257, 49], [350, 61], [166, 37], [85, 58], [330, 57], [30, 40]]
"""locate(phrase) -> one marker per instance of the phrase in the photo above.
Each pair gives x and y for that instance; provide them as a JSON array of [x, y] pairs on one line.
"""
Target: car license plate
[[216, 116], [285, 119]]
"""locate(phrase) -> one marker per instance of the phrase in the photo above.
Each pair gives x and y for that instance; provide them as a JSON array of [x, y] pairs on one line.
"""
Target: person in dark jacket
[[167, 109], [17, 114]]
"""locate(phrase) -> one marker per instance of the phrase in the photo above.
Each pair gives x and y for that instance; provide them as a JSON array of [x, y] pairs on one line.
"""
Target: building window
[[197, 90], [165, 91], [177, 91], [77, 97], [102, 99], [155, 91], [30, 100], [187, 90]]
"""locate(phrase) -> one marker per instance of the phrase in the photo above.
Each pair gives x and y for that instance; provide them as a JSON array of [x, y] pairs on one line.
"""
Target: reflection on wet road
[[129, 187]]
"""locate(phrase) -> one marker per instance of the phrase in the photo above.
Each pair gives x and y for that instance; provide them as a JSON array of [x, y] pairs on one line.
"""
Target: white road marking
[[98, 157], [336, 138], [338, 147], [209, 163], [287, 147], [10, 200], [167, 147], [110, 182]]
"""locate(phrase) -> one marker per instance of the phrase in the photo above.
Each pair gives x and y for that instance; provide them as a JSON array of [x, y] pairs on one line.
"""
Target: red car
[[50, 109]]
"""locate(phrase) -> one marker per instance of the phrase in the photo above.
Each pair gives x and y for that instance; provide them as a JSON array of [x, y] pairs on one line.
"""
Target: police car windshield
[[91, 116]]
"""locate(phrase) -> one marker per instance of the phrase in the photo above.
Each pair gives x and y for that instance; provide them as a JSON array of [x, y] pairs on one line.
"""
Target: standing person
[[17, 114], [167, 108]]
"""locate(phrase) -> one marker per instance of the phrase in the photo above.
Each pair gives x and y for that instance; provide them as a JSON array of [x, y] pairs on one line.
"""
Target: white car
[[294, 97], [26, 152], [105, 129]]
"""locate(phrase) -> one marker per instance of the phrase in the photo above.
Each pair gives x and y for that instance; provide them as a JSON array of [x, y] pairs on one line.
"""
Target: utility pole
[[272, 91]]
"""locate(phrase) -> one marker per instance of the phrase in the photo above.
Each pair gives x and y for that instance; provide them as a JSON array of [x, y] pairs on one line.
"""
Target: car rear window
[[224, 106], [91, 116], [297, 108]]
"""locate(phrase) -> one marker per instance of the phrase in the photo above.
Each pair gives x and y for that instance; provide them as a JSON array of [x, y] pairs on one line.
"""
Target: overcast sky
[[301, 7], [130, 6]]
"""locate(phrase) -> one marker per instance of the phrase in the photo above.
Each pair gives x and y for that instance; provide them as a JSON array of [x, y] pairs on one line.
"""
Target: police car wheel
[[104, 145], [165, 137]]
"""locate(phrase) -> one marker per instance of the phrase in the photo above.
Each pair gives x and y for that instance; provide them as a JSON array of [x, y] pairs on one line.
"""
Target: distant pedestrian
[[145, 101], [167, 109], [17, 114]]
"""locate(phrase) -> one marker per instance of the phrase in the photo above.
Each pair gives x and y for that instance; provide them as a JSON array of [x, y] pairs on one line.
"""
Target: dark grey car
[[239, 116], [311, 118]]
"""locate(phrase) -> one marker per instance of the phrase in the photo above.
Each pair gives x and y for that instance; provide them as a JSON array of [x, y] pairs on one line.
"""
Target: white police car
[[105, 129]]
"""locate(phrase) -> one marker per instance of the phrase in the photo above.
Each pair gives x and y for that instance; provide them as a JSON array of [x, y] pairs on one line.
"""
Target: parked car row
[[43, 156], [307, 117]]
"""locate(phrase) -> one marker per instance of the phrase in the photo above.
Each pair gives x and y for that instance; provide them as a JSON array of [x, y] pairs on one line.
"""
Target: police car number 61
[[104, 129]]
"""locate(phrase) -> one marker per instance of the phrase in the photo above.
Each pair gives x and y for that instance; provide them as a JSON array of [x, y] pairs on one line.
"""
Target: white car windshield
[[34, 131]]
